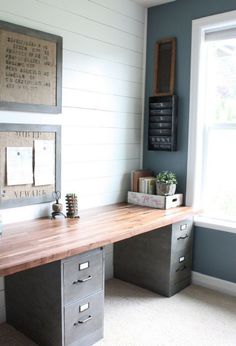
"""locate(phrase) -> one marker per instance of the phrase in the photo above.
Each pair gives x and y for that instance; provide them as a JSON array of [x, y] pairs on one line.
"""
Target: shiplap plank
[[91, 100], [74, 24], [98, 66], [126, 7], [85, 45], [101, 15], [30, 212], [28, 118], [98, 185], [90, 82], [76, 171], [101, 50], [97, 118], [102, 199], [95, 152], [77, 135]]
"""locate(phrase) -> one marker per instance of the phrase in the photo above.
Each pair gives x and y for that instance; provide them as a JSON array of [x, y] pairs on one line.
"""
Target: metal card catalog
[[162, 130]]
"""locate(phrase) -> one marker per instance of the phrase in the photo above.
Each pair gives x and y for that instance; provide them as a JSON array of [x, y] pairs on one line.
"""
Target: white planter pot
[[164, 189]]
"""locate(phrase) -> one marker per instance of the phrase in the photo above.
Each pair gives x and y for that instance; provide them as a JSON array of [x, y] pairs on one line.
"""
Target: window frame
[[200, 26]]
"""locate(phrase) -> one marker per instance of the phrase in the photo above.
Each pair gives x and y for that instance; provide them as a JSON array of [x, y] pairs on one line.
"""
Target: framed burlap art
[[30, 69], [30, 164]]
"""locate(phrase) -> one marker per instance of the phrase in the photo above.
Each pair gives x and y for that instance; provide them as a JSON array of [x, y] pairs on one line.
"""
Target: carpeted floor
[[195, 316]]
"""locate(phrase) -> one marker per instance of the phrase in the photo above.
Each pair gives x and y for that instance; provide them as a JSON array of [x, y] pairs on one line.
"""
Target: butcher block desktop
[[29, 244], [55, 268]]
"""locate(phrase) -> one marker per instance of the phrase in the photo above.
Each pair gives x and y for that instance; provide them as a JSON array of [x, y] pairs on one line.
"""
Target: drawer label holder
[[83, 307], [84, 265]]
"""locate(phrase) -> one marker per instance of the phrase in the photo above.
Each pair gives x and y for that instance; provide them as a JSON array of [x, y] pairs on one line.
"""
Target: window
[[211, 181]]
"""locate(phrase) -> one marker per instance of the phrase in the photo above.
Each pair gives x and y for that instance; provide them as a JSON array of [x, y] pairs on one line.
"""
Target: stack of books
[[147, 185], [140, 185]]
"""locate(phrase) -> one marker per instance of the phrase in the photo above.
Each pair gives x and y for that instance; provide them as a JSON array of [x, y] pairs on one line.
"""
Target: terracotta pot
[[164, 189]]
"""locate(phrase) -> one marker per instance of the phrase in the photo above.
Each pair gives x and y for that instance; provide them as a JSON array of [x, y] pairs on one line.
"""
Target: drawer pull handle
[[180, 269], [182, 237], [83, 321], [82, 280]]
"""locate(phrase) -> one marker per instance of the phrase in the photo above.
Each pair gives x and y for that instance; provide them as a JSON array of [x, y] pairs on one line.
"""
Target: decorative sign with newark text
[[30, 164], [30, 69]]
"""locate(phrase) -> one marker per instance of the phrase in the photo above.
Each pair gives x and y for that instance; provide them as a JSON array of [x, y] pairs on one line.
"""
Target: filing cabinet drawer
[[84, 320], [182, 234], [181, 266], [83, 275]]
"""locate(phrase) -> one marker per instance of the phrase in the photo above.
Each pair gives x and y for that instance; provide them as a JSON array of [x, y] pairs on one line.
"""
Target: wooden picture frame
[[30, 69], [164, 67], [23, 136]]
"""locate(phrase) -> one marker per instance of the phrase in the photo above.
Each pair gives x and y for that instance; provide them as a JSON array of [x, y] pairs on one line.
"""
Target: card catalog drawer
[[83, 275], [182, 234], [84, 320]]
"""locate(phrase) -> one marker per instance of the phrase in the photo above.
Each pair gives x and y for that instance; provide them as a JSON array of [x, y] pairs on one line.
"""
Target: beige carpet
[[137, 317], [194, 316]]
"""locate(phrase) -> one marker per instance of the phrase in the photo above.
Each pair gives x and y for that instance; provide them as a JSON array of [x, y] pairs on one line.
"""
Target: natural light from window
[[219, 139], [211, 166]]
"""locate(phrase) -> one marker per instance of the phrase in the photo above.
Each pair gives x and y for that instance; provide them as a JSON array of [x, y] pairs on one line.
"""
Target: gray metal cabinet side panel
[[159, 260], [145, 260], [33, 303]]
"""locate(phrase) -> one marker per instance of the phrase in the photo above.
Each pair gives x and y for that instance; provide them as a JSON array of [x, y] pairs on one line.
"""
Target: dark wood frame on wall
[[56, 90], [164, 67], [29, 132]]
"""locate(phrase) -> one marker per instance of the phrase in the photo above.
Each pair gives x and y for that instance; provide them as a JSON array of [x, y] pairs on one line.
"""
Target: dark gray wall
[[215, 253], [175, 20]]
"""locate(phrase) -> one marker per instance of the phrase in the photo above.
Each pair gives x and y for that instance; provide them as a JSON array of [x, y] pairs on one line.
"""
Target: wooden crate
[[155, 201]]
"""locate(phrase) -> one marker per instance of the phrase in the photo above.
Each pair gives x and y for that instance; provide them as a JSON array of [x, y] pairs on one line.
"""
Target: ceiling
[[150, 3]]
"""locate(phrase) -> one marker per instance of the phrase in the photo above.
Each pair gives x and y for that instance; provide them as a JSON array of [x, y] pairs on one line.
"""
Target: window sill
[[218, 225]]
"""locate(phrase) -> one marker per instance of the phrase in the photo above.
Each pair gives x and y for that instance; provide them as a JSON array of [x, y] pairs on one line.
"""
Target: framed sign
[[30, 69], [164, 70], [30, 164]]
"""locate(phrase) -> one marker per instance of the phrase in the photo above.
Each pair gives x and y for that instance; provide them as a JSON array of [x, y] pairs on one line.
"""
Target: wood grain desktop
[[29, 244]]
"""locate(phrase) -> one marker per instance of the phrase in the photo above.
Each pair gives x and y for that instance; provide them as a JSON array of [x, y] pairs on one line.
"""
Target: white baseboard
[[219, 285]]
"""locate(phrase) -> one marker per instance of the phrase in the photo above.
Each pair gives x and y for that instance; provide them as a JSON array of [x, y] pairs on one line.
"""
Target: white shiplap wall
[[103, 42]]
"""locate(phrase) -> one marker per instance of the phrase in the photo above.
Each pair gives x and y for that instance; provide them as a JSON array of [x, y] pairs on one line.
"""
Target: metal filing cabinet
[[159, 260], [60, 303]]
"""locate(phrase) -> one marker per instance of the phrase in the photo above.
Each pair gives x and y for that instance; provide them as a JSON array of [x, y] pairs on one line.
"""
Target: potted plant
[[166, 183]]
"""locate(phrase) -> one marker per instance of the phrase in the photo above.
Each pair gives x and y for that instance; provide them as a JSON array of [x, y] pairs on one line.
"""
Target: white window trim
[[194, 165]]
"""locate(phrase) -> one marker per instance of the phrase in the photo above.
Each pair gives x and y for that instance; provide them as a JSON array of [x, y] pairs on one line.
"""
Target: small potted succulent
[[166, 183]]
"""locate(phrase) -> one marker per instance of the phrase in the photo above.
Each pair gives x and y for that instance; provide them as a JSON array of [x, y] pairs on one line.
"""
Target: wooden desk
[[55, 268], [29, 244]]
